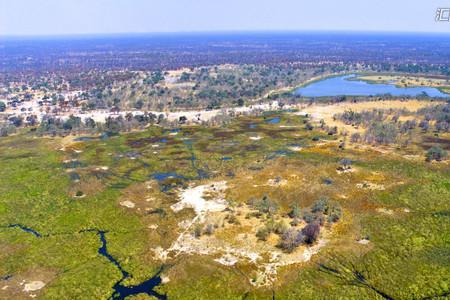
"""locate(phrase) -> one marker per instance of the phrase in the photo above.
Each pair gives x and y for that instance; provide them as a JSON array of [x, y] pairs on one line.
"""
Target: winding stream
[[26, 229], [121, 291]]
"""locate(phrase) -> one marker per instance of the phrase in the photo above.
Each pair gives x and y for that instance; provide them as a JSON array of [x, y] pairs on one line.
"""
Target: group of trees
[[385, 127], [74, 124], [439, 114], [322, 212]]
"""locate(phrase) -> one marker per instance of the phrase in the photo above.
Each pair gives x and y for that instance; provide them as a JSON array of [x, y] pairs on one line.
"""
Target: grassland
[[125, 186]]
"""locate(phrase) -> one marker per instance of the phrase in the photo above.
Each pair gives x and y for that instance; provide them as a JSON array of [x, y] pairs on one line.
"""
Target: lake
[[341, 85]]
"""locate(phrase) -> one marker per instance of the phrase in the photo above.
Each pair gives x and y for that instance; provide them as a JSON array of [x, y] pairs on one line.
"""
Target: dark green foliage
[[265, 205], [295, 211], [320, 206], [436, 153], [139, 104]]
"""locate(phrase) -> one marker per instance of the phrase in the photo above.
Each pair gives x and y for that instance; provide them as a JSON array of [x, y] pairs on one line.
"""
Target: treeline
[[385, 127], [76, 125]]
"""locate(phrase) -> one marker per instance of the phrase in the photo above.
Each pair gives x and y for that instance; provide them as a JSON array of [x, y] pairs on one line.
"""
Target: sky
[[62, 17]]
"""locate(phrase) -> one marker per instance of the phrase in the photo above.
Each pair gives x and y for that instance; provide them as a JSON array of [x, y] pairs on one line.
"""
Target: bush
[[198, 230], [311, 232], [355, 137], [232, 219], [263, 233], [209, 229], [265, 205], [345, 162], [280, 227], [309, 217], [335, 213], [320, 205], [295, 222], [295, 211], [290, 240], [436, 153]]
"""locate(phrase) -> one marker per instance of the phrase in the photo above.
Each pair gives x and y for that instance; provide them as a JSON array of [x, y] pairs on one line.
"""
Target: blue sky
[[47, 17]]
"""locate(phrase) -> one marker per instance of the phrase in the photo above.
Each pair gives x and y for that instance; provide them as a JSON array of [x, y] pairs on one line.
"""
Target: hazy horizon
[[113, 17], [223, 32]]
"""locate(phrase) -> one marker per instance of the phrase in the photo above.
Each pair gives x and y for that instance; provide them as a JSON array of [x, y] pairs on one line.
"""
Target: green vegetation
[[125, 185]]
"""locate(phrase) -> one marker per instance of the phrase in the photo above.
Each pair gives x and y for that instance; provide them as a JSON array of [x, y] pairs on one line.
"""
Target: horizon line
[[201, 32]]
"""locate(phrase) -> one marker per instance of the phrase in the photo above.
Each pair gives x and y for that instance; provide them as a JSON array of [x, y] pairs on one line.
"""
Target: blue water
[[85, 138], [227, 158], [26, 229], [273, 120], [338, 86], [164, 176], [122, 291]]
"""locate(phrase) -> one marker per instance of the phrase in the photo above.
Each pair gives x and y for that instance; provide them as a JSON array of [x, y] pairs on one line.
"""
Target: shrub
[[263, 233], [311, 232], [266, 205], [308, 217], [232, 219], [295, 222], [345, 162], [320, 205], [335, 213], [280, 227], [209, 229], [197, 230], [295, 211], [355, 137], [290, 240], [436, 153]]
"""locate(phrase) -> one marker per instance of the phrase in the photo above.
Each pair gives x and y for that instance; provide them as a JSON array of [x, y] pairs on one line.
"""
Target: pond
[[275, 120], [341, 85]]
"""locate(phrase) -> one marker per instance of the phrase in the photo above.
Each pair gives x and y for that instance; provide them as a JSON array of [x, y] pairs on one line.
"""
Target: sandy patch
[[255, 138], [194, 198], [363, 241], [128, 204], [295, 148], [385, 211], [370, 186], [227, 260], [103, 168], [165, 279], [33, 286]]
